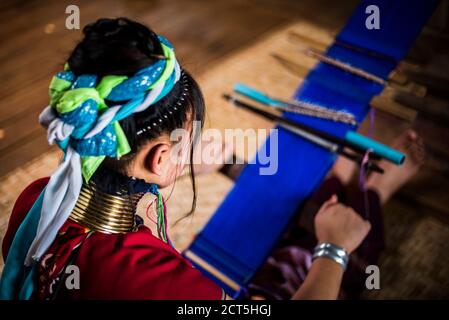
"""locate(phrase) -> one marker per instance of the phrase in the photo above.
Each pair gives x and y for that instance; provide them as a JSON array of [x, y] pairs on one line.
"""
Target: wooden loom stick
[[345, 66], [298, 39], [212, 270], [332, 147], [390, 87], [381, 102], [291, 66], [394, 108], [323, 139], [300, 107], [396, 75], [397, 80]]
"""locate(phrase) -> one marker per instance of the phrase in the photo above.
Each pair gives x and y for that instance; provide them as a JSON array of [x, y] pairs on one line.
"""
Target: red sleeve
[[138, 266], [179, 280], [23, 204], [134, 266]]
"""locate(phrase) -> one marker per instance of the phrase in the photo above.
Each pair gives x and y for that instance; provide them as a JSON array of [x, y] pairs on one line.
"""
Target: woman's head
[[123, 47]]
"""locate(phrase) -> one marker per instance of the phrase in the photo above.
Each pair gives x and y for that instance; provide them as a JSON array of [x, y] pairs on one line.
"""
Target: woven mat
[[415, 262]]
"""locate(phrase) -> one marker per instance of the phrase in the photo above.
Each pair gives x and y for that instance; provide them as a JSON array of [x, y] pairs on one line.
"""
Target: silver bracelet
[[333, 252]]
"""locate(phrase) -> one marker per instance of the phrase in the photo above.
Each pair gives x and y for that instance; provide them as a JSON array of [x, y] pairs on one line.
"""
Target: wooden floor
[[35, 43]]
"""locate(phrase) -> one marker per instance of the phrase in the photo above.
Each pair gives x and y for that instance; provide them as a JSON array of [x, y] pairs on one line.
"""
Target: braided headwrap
[[87, 130]]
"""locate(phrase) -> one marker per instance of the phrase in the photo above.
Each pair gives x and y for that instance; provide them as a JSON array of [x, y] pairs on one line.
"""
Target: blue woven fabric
[[249, 222]]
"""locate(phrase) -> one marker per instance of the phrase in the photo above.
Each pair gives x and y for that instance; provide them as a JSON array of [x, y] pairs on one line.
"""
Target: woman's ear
[[157, 157]]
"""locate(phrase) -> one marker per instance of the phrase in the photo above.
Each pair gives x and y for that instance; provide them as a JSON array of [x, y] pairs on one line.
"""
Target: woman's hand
[[340, 225]]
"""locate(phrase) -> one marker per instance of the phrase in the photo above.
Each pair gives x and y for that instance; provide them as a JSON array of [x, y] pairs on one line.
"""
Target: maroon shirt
[[135, 265]]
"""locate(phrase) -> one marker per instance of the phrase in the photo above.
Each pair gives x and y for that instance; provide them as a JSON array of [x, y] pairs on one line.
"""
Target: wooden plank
[[24, 91], [23, 151]]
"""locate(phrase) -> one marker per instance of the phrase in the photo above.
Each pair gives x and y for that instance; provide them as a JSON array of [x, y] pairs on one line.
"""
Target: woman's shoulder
[[133, 252], [29, 195], [137, 265]]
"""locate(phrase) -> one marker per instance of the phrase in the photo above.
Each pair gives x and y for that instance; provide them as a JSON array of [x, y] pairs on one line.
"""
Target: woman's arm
[[340, 226], [322, 282]]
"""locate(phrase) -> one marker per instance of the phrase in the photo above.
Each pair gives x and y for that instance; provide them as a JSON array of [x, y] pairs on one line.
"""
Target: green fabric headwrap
[[64, 100]]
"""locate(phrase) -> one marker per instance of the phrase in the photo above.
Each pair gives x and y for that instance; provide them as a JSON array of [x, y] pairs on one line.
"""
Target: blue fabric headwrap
[[79, 121]]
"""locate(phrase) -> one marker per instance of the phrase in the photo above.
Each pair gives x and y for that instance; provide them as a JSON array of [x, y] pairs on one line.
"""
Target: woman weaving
[[111, 111]]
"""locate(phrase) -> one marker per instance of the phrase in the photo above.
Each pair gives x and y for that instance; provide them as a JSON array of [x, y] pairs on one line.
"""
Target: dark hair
[[123, 47]]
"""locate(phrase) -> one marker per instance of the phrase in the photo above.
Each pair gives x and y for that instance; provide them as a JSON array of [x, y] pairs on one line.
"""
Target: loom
[[239, 237]]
